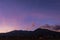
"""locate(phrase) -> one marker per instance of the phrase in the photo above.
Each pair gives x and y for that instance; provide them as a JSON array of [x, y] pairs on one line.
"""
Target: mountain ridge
[[37, 34]]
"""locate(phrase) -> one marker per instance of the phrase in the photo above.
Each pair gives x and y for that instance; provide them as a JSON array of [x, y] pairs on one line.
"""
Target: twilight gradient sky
[[20, 14]]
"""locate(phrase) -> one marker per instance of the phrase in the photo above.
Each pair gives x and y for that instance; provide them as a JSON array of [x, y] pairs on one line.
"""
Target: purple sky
[[20, 14]]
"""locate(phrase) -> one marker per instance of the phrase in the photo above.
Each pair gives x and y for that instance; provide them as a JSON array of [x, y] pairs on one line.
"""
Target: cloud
[[51, 27]]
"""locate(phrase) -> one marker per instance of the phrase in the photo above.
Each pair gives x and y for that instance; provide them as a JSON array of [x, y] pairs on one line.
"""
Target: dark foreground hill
[[39, 34]]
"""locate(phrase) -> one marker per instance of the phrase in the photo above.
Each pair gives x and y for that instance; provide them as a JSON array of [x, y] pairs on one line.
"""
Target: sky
[[21, 14]]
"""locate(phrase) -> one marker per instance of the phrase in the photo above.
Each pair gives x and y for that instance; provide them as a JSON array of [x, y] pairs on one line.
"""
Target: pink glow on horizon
[[7, 25], [10, 24]]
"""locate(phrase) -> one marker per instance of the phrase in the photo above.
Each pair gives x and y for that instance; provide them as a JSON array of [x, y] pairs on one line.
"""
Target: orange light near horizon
[[5, 29], [7, 25]]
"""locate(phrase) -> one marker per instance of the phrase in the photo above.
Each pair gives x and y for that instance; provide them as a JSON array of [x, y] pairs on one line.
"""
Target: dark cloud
[[57, 27]]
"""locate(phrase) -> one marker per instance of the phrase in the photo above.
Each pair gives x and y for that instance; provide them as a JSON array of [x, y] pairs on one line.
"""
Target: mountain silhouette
[[38, 34]]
